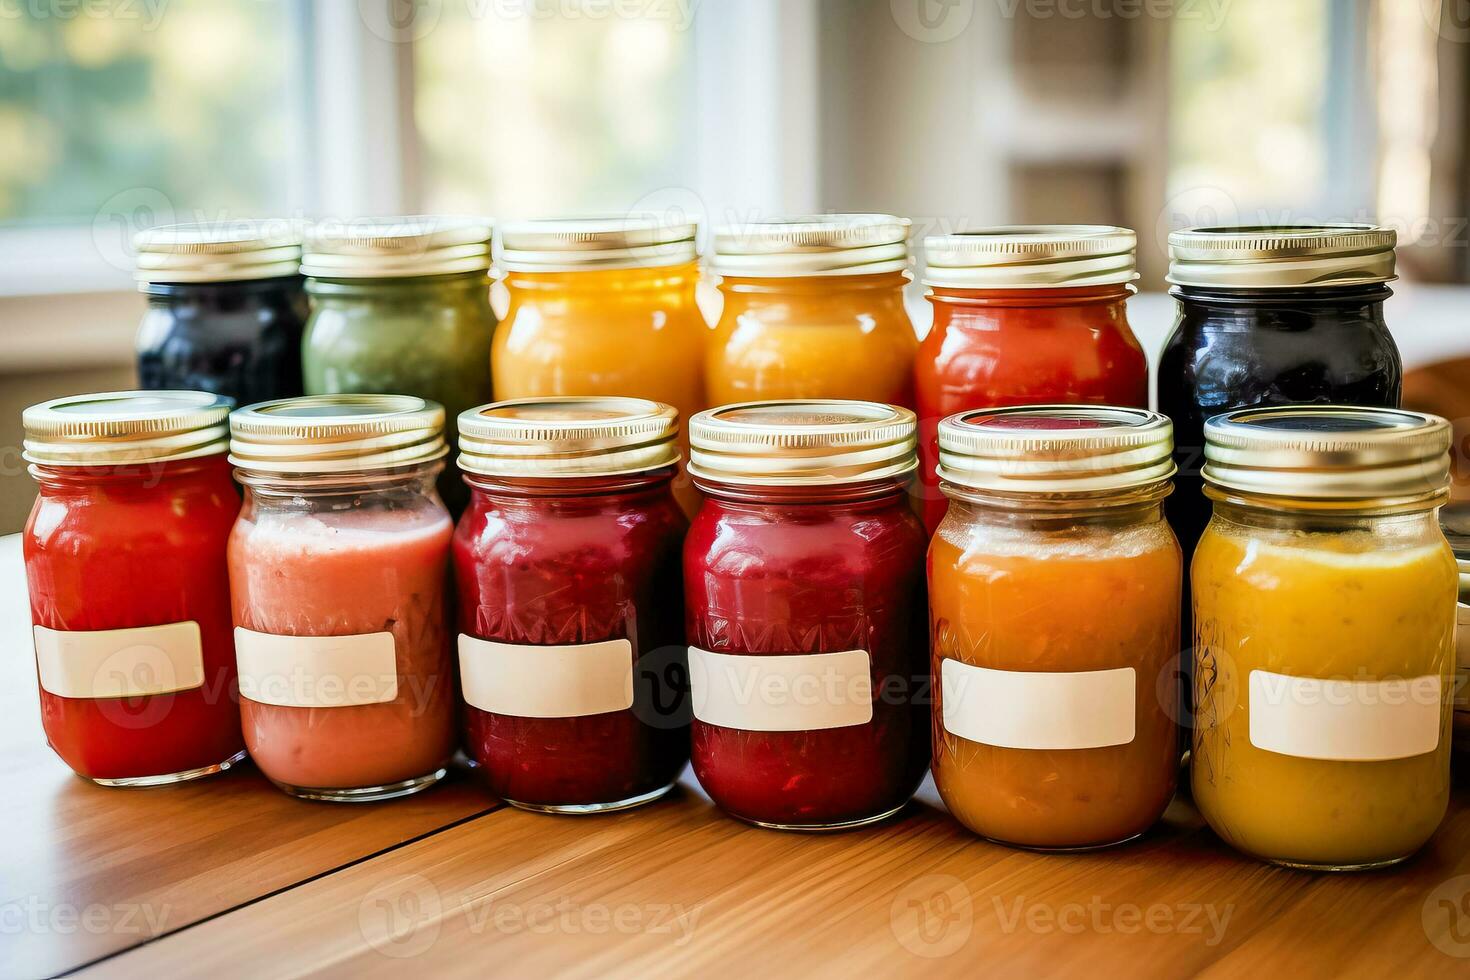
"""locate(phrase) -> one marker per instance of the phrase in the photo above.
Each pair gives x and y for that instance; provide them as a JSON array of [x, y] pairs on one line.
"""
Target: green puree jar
[[401, 306]]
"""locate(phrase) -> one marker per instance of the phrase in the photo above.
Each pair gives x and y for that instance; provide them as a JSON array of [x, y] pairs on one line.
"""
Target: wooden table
[[228, 877]]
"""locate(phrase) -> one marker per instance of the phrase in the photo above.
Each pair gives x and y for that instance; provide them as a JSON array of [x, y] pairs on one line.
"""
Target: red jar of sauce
[[1026, 315], [804, 579], [125, 562], [571, 615], [339, 568]]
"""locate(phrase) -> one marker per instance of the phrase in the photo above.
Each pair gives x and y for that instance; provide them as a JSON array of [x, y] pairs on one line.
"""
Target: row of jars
[[812, 308], [789, 642]]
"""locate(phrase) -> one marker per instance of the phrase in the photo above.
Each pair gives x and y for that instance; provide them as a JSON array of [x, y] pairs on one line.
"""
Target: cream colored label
[[316, 671], [1345, 721], [123, 663], [529, 681], [781, 692], [1023, 709]]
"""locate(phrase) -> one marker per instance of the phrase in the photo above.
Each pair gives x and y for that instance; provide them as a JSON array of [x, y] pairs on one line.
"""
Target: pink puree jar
[[338, 569]]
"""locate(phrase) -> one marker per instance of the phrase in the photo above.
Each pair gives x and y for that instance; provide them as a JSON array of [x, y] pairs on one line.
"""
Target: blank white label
[[316, 671], [781, 692], [1344, 721], [122, 663], [1022, 709], [528, 681]]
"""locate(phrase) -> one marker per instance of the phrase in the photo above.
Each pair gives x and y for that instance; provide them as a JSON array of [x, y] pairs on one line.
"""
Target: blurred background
[[116, 115]]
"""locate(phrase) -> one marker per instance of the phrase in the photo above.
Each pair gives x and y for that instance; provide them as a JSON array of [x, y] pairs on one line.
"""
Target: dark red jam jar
[[130, 599], [804, 581], [571, 613]]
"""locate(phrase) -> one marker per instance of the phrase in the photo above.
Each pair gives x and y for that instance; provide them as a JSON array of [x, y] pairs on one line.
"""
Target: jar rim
[[316, 435], [125, 427], [1031, 257], [793, 246], [568, 436]]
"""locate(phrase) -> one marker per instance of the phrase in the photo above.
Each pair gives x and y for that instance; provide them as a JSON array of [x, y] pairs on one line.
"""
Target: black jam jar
[[226, 309], [1270, 316]]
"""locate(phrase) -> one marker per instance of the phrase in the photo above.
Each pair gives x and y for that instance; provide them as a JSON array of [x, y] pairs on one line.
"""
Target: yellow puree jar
[[813, 308], [603, 306], [1324, 610]]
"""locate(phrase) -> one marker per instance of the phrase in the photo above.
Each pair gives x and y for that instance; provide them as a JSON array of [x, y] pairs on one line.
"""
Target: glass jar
[[401, 306], [125, 563], [571, 613], [804, 585], [1270, 316], [338, 568], [1324, 600], [1025, 315], [603, 306], [1054, 601], [225, 309], [813, 308]]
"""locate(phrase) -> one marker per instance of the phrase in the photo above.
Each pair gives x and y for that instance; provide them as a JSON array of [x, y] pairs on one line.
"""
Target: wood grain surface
[[244, 882]]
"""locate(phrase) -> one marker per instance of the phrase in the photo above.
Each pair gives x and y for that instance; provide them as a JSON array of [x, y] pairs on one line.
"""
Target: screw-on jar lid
[[802, 442], [397, 247], [1328, 452], [1288, 257], [1056, 449], [1031, 256], [323, 434], [568, 437], [226, 251], [813, 245], [126, 427], [596, 242]]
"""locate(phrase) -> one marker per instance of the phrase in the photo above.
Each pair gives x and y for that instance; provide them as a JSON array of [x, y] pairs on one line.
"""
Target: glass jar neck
[[183, 293], [1372, 294], [1032, 298], [755, 288], [872, 493], [1104, 508], [682, 276], [527, 489], [1257, 510], [72, 479], [268, 486], [410, 287]]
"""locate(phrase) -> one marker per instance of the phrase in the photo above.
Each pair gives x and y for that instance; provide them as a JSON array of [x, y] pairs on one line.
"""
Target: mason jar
[[339, 567], [1324, 603]]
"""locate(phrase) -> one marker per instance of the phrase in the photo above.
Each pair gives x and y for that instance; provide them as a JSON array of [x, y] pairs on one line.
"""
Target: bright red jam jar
[[130, 600], [1025, 315], [571, 613], [339, 582], [804, 584]]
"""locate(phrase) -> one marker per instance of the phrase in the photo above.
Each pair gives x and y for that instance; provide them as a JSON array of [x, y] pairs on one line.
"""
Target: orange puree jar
[[603, 306], [813, 309], [1054, 586]]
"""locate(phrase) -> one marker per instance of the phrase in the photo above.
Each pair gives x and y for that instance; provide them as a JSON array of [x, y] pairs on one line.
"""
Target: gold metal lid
[[596, 242], [126, 427], [226, 251], [1328, 452], [1286, 257], [802, 442], [568, 437], [397, 247], [1031, 256], [1056, 449], [325, 434], [813, 245]]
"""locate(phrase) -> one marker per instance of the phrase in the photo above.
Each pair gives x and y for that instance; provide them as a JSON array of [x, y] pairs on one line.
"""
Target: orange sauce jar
[[1054, 586], [603, 306], [813, 308]]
